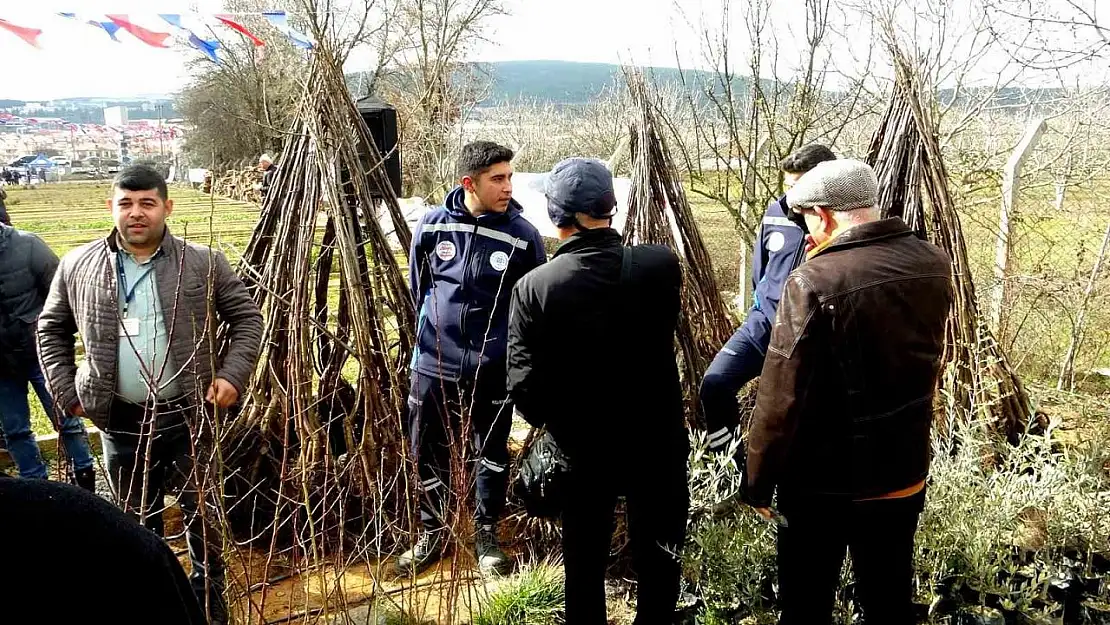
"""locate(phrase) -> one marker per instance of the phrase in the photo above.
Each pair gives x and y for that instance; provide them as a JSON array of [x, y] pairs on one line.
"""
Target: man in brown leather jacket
[[845, 405]]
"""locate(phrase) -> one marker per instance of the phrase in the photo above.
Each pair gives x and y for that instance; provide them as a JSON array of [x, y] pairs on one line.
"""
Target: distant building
[[115, 116], [35, 107]]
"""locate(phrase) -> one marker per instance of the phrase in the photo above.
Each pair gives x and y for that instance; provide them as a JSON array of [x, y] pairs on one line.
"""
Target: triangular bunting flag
[[207, 47], [109, 27], [149, 37], [230, 22], [280, 21], [30, 35]]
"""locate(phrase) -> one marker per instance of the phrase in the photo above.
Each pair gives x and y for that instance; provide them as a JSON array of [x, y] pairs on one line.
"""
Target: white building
[[115, 116]]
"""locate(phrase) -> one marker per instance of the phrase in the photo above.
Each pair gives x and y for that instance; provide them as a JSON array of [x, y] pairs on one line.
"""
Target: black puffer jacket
[[26, 268]]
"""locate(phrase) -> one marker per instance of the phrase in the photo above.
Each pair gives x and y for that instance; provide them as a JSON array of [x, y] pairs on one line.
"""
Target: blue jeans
[[15, 421]]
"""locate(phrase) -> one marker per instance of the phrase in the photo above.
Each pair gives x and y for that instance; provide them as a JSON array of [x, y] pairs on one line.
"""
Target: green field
[[69, 214]]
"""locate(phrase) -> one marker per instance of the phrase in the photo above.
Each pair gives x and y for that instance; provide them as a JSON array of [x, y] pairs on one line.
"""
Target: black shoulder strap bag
[[544, 471]]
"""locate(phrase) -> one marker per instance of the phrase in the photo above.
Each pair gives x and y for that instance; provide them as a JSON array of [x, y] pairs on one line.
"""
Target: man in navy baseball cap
[[579, 185], [591, 358]]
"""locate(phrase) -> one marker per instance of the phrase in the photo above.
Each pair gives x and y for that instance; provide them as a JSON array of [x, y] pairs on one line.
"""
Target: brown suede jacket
[[845, 401]]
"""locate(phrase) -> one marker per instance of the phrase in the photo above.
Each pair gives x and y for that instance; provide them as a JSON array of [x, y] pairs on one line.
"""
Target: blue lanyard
[[129, 294]]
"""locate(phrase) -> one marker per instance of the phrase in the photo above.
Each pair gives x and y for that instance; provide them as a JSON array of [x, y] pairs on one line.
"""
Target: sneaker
[[426, 552], [491, 560]]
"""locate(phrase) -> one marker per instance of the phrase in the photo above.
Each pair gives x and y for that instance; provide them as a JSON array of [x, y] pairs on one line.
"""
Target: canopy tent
[[41, 162]]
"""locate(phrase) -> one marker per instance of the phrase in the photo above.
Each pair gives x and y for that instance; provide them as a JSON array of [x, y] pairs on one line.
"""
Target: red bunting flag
[[30, 35], [149, 37], [230, 22]]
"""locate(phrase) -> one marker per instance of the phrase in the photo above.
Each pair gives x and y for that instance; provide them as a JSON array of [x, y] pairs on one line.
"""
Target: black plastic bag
[[542, 482]]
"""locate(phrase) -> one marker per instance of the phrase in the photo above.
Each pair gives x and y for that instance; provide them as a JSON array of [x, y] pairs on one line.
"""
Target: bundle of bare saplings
[[913, 184], [316, 453], [316, 471], [238, 184], [659, 213]]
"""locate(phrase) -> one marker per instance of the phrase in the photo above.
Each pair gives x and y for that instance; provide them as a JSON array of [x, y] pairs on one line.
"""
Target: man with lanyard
[[142, 301], [780, 249], [466, 256]]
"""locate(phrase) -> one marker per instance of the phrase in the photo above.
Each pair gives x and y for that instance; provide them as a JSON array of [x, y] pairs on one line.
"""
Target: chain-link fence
[[1041, 279]]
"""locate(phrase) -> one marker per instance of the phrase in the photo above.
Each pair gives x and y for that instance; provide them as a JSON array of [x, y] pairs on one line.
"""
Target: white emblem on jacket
[[499, 260], [776, 241], [445, 250]]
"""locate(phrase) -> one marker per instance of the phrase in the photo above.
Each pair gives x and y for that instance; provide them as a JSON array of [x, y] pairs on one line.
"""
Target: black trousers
[[880, 536], [436, 428], [657, 502], [170, 470]]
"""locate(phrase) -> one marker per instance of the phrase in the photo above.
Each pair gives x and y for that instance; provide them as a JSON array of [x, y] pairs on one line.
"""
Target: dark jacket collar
[[590, 239], [456, 205], [866, 234]]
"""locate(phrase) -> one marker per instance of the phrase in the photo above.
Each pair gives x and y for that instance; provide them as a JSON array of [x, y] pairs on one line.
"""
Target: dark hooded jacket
[[27, 266]]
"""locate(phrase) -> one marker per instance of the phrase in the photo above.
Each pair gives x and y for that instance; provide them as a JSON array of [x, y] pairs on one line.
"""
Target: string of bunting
[[197, 31]]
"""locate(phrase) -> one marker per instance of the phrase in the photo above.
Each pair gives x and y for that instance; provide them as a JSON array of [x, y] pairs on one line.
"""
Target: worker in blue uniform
[[778, 250], [466, 257]]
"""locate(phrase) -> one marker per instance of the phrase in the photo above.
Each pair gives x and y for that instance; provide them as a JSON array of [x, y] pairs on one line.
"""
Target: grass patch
[[69, 215], [534, 596]]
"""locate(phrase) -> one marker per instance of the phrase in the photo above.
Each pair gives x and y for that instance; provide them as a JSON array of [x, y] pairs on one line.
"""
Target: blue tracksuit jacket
[[462, 270]]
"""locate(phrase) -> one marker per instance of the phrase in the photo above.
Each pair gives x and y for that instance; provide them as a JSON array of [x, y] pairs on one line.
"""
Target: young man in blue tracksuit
[[466, 257], [779, 249]]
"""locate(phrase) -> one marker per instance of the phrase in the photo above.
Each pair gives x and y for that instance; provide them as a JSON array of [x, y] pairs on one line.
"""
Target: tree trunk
[[748, 208]]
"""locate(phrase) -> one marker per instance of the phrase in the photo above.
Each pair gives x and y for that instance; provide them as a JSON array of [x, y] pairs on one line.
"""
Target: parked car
[[62, 161], [22, 160]]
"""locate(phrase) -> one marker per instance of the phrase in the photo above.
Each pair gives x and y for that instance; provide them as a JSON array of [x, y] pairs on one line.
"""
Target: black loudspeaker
[[381, 119]]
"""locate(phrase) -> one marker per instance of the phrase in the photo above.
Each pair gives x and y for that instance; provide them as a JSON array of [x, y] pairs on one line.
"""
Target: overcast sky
[[79, 60]]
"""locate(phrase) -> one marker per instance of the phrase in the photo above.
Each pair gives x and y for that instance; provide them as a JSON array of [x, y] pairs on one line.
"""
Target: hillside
[[558, 82], [562, 82]]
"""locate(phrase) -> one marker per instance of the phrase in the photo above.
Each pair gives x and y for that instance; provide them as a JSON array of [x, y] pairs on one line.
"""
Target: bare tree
[[542, 133], [241, 107], [748, 118], [1050, 35], [431, 85]]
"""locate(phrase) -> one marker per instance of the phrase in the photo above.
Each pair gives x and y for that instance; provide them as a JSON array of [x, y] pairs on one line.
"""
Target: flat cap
[[840, 185]]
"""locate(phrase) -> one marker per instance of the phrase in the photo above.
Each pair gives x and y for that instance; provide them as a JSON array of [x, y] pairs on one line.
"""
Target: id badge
[[129, 327]]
